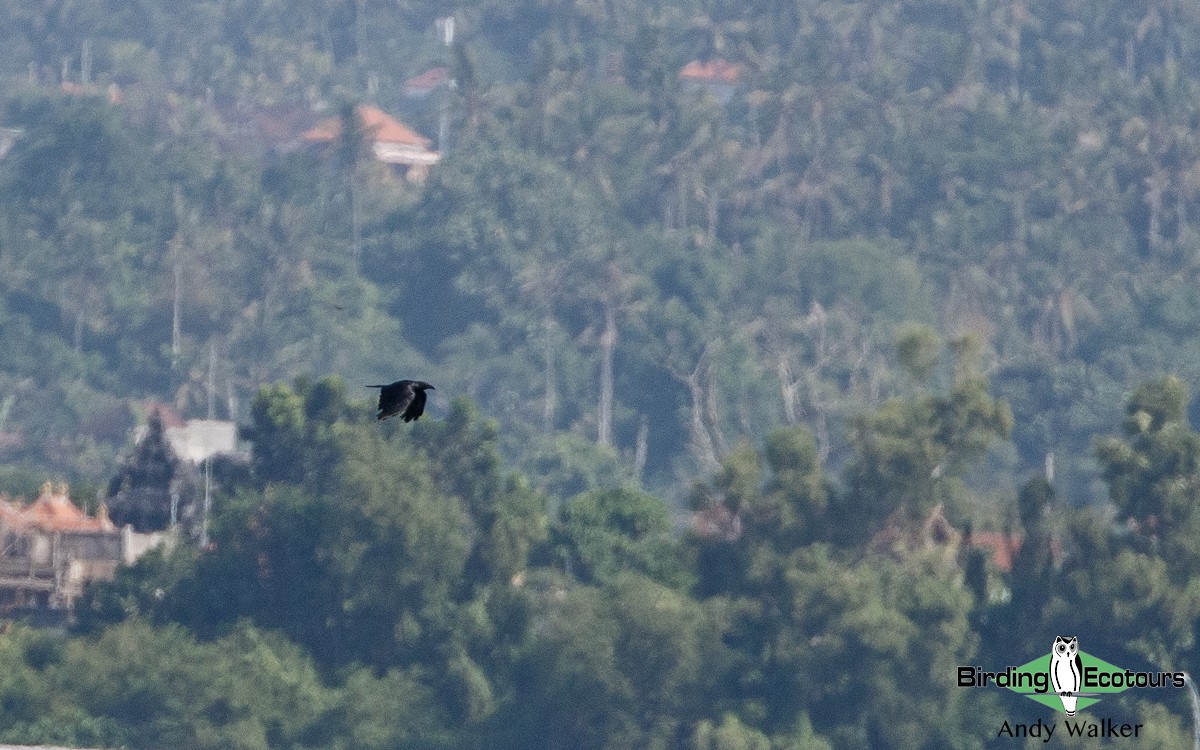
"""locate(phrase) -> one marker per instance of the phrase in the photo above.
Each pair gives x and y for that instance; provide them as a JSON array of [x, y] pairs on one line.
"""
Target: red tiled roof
[[52, 511], [429, 79], [713, 71], [1004, 547], [383, 129]]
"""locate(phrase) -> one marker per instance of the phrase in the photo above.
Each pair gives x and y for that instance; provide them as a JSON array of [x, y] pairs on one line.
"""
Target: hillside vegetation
[[898, 268]]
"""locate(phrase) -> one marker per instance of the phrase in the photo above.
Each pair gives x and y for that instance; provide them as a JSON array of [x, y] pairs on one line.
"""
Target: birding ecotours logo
[[1068, 679]]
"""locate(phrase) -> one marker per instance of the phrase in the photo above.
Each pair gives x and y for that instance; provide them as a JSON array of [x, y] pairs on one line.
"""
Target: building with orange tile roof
[[392, 142], [54, 511], [711, 71], [718, 77], [51, 549]]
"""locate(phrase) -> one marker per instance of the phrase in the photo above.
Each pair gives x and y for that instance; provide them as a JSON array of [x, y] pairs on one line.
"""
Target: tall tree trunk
[[702, 444], [642, 450], [1156, 187], [714, 418], [702, 441], [820, 414], [550, 397], [608, 347], [787, 387], [231, 400], [176, 312]]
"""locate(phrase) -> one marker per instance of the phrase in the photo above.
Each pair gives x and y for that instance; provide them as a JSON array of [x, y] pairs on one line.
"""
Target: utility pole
[[176, 312], [85, 62], [207, 502], [176, 246], [212, 379], [445, 28]]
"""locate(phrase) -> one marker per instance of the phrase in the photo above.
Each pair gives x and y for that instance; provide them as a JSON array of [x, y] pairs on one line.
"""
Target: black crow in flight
[[404, 397]]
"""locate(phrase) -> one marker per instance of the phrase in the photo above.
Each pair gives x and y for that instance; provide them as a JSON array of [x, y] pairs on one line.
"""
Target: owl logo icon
[[1066, 671]]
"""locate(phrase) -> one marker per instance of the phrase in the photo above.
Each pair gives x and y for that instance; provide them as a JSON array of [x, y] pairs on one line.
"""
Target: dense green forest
[[711, 358]]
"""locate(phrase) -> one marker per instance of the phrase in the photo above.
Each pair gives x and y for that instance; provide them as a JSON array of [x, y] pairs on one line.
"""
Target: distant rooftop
[[711, 71], [51, 511], [392, 141], [1004, 547], [422, 84], [382, 127]]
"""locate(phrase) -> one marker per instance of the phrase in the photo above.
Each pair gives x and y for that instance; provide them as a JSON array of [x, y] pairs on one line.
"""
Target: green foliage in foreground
[[404, 590], [648, 287]]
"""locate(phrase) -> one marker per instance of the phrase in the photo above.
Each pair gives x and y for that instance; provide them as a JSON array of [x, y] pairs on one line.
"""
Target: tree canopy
[[767, 339]]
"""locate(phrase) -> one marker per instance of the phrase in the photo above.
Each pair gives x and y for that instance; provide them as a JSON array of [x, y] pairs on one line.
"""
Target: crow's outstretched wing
[[394, 398], [415, 405], [404, 397]]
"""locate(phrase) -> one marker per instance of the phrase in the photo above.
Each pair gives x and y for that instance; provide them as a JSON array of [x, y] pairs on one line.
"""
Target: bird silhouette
[[404, 397]]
